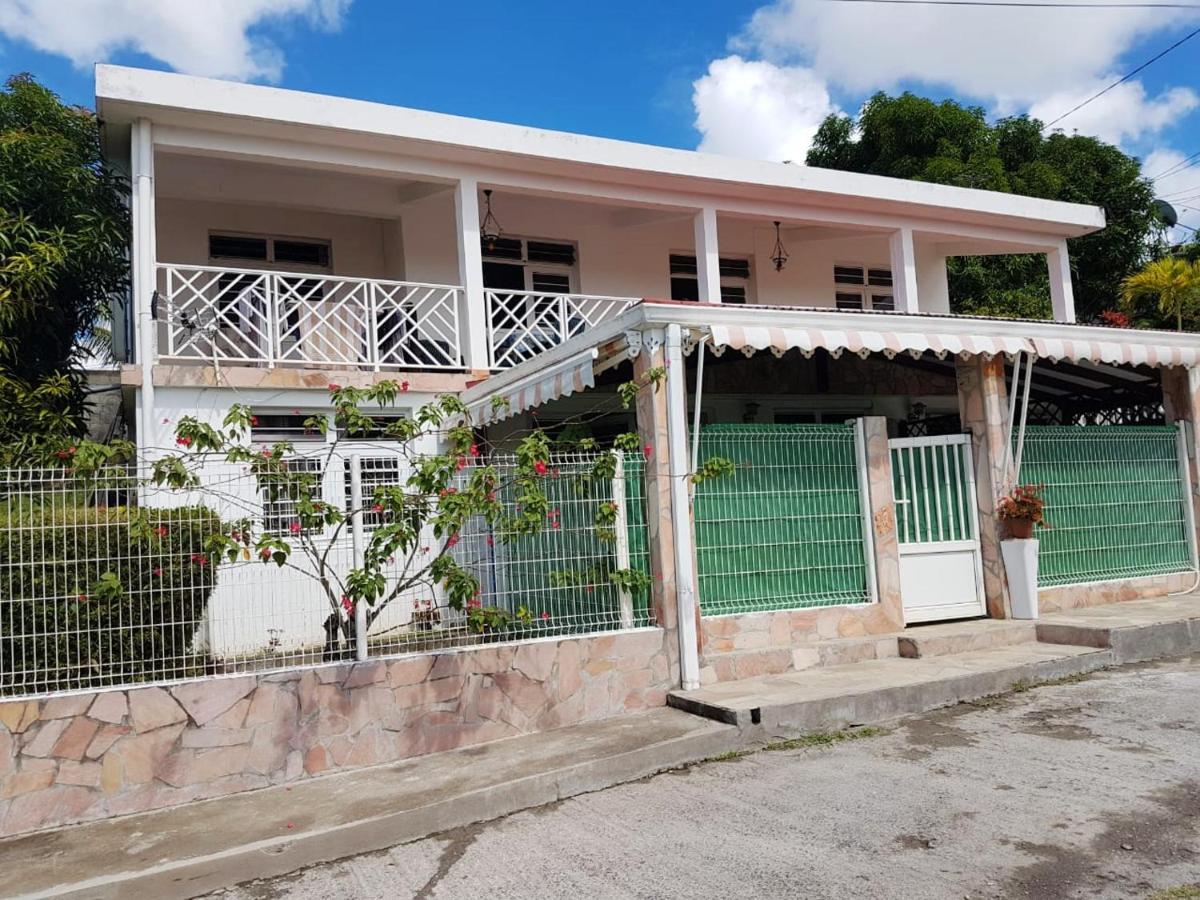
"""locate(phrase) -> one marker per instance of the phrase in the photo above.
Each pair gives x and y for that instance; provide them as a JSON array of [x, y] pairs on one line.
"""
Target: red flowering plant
[[1024, 503], [426, 527]]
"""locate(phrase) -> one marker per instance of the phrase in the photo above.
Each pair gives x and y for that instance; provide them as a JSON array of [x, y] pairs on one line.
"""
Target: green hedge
[[97, 596]]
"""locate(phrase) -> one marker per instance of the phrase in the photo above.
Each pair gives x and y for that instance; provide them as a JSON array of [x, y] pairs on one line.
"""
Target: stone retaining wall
[[1071, 596], [90, 755]]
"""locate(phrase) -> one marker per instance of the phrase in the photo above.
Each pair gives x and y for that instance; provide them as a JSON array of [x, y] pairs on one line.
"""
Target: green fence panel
[[785, 531], [1114, 502], [563, 570]]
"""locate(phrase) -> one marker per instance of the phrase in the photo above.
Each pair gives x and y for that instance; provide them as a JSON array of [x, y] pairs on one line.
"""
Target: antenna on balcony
[[489, 229]]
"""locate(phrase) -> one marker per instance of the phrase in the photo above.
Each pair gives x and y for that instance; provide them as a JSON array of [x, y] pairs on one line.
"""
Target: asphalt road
[[1088, 789]]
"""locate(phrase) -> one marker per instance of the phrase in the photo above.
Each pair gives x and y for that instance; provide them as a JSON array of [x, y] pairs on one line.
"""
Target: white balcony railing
[[304, 319], [522, 324]]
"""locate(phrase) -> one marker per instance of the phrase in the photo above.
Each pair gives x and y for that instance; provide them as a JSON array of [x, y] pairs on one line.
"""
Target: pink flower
[[545, 617], [295, 412], [490, 542], [333, 388], [254, 420], [452, 540], [474, 449], [347, 604], [540, 467], [265, 553], [200, 559], [166, 421], [647, 450], [82, 598], [378, 507], [460, 463], [404, 386], [416, 604], [294, 528], [158, 572], [161, 531], [183, 441]]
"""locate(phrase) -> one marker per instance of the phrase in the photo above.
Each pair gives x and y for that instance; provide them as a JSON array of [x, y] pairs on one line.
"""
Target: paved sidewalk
[[1088, 789]]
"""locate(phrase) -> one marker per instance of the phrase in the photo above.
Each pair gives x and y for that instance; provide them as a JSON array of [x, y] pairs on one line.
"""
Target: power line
[[1178, 167], [1033, 3], [1125, 77]]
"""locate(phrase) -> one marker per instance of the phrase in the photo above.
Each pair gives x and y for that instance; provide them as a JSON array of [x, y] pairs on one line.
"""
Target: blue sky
[[745, 78]]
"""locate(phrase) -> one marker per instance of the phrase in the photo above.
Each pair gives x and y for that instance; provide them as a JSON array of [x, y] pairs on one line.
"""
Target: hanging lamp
[[779, 255], [489, 228]]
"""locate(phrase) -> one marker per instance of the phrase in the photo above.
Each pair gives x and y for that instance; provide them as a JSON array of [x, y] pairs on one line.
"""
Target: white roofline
[[123, 92]]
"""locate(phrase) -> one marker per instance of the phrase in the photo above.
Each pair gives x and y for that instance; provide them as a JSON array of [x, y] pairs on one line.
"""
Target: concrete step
[[1133, 630], [948, 638], [203, 847], [831, 697], [734, 665]]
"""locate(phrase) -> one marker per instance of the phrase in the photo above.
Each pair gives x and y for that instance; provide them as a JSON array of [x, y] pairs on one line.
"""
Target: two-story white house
[[284, 241]]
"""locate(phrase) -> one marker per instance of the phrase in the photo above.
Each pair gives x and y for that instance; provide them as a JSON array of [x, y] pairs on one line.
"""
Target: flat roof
[[124, 93]]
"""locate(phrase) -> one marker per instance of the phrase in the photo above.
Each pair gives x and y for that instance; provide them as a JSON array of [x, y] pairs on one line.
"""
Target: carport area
[[868, 453]]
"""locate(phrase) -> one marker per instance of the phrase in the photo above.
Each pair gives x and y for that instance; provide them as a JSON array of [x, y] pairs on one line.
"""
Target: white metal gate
[[937, 525]]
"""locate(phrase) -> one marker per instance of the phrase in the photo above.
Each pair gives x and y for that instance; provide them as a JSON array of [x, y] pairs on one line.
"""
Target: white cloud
[[1122, 115], [1176, 180], [1002, 54], [218, 38], [1043, 59], [758, 109]]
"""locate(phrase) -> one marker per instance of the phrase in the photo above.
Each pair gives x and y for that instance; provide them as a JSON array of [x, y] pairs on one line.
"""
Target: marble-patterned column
[[883, 519], [651, 409], [1181, 403], [983, 407]]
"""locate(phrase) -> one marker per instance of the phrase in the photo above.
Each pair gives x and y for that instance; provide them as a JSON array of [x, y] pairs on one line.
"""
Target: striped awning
[[1126, 352], [561, 380], [779, 340]]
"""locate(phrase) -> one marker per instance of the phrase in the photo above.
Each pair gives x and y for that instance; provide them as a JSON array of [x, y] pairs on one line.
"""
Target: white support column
[[708, 258], [681, 511], [1062, 294], [141, 165], [904, 270], [472, 313]]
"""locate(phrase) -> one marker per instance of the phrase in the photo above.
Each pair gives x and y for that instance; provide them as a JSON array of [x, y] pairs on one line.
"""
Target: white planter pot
[[1021, 566]]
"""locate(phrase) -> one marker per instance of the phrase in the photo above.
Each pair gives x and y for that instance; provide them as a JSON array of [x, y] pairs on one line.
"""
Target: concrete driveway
[[1081, 789]]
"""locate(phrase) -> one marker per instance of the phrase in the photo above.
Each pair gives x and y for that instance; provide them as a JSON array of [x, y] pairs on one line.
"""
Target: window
[[277, 252], [555, 252], [279, 500], [270, 428], [863, 287], [735, 278], [376, 472]]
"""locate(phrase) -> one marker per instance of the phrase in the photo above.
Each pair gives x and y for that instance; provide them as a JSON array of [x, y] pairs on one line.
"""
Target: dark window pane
[[879, 277], [226, 246], [731, 294], [307, 253], [541, 251], [685, 289], [735, 268], [847, 275], [795, 418], [683, 265], [271, 427], [503, 276], [883, 302], [501, 248], [849, 301], [551, 282]]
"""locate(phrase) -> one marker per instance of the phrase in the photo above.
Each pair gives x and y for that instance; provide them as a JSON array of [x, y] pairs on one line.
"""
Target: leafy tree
[[1172, 283], [414, 544], [64, 226], [948, 143]]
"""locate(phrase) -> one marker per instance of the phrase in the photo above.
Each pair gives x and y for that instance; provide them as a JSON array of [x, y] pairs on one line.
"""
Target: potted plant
[[1022, 509]]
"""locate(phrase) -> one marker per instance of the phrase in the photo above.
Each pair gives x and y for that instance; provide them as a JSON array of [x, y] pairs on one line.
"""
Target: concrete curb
[[1130, 643]]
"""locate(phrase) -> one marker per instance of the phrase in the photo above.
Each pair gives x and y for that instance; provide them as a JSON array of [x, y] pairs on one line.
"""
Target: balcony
[[248, 317]]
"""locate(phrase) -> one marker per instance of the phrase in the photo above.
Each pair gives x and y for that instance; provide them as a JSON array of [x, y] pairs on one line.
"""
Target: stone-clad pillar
[[883, 518], [651, 408], [1181, 403], [983, 407]]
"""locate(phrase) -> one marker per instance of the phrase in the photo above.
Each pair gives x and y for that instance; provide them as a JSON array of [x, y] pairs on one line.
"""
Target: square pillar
[[882, 518], [653, 431], [983, 407], [144, 273], [1062, 295], [708, 258], [904, 270], [1181, 403], [473, 321]]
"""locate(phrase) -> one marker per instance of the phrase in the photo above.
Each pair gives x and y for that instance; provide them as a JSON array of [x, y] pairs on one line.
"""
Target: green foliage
[[96, 596], [947, 143], [713, 467], [64, 226], [1169, 286]]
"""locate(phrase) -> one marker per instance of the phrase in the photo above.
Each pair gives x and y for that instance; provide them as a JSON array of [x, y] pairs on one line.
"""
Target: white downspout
[[681, 512], [144, 281], [696, 402]]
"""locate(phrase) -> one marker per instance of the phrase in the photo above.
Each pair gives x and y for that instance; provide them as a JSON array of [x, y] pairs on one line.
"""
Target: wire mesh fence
[[106, 580], [786, 530], [1115, 502]]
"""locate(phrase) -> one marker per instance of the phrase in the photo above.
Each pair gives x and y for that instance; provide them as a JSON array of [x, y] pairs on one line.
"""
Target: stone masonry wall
[[1072, 596], [90, 755]]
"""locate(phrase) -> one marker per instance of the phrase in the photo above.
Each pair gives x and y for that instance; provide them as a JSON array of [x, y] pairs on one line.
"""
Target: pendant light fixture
[[489, 228], [779, 256]]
